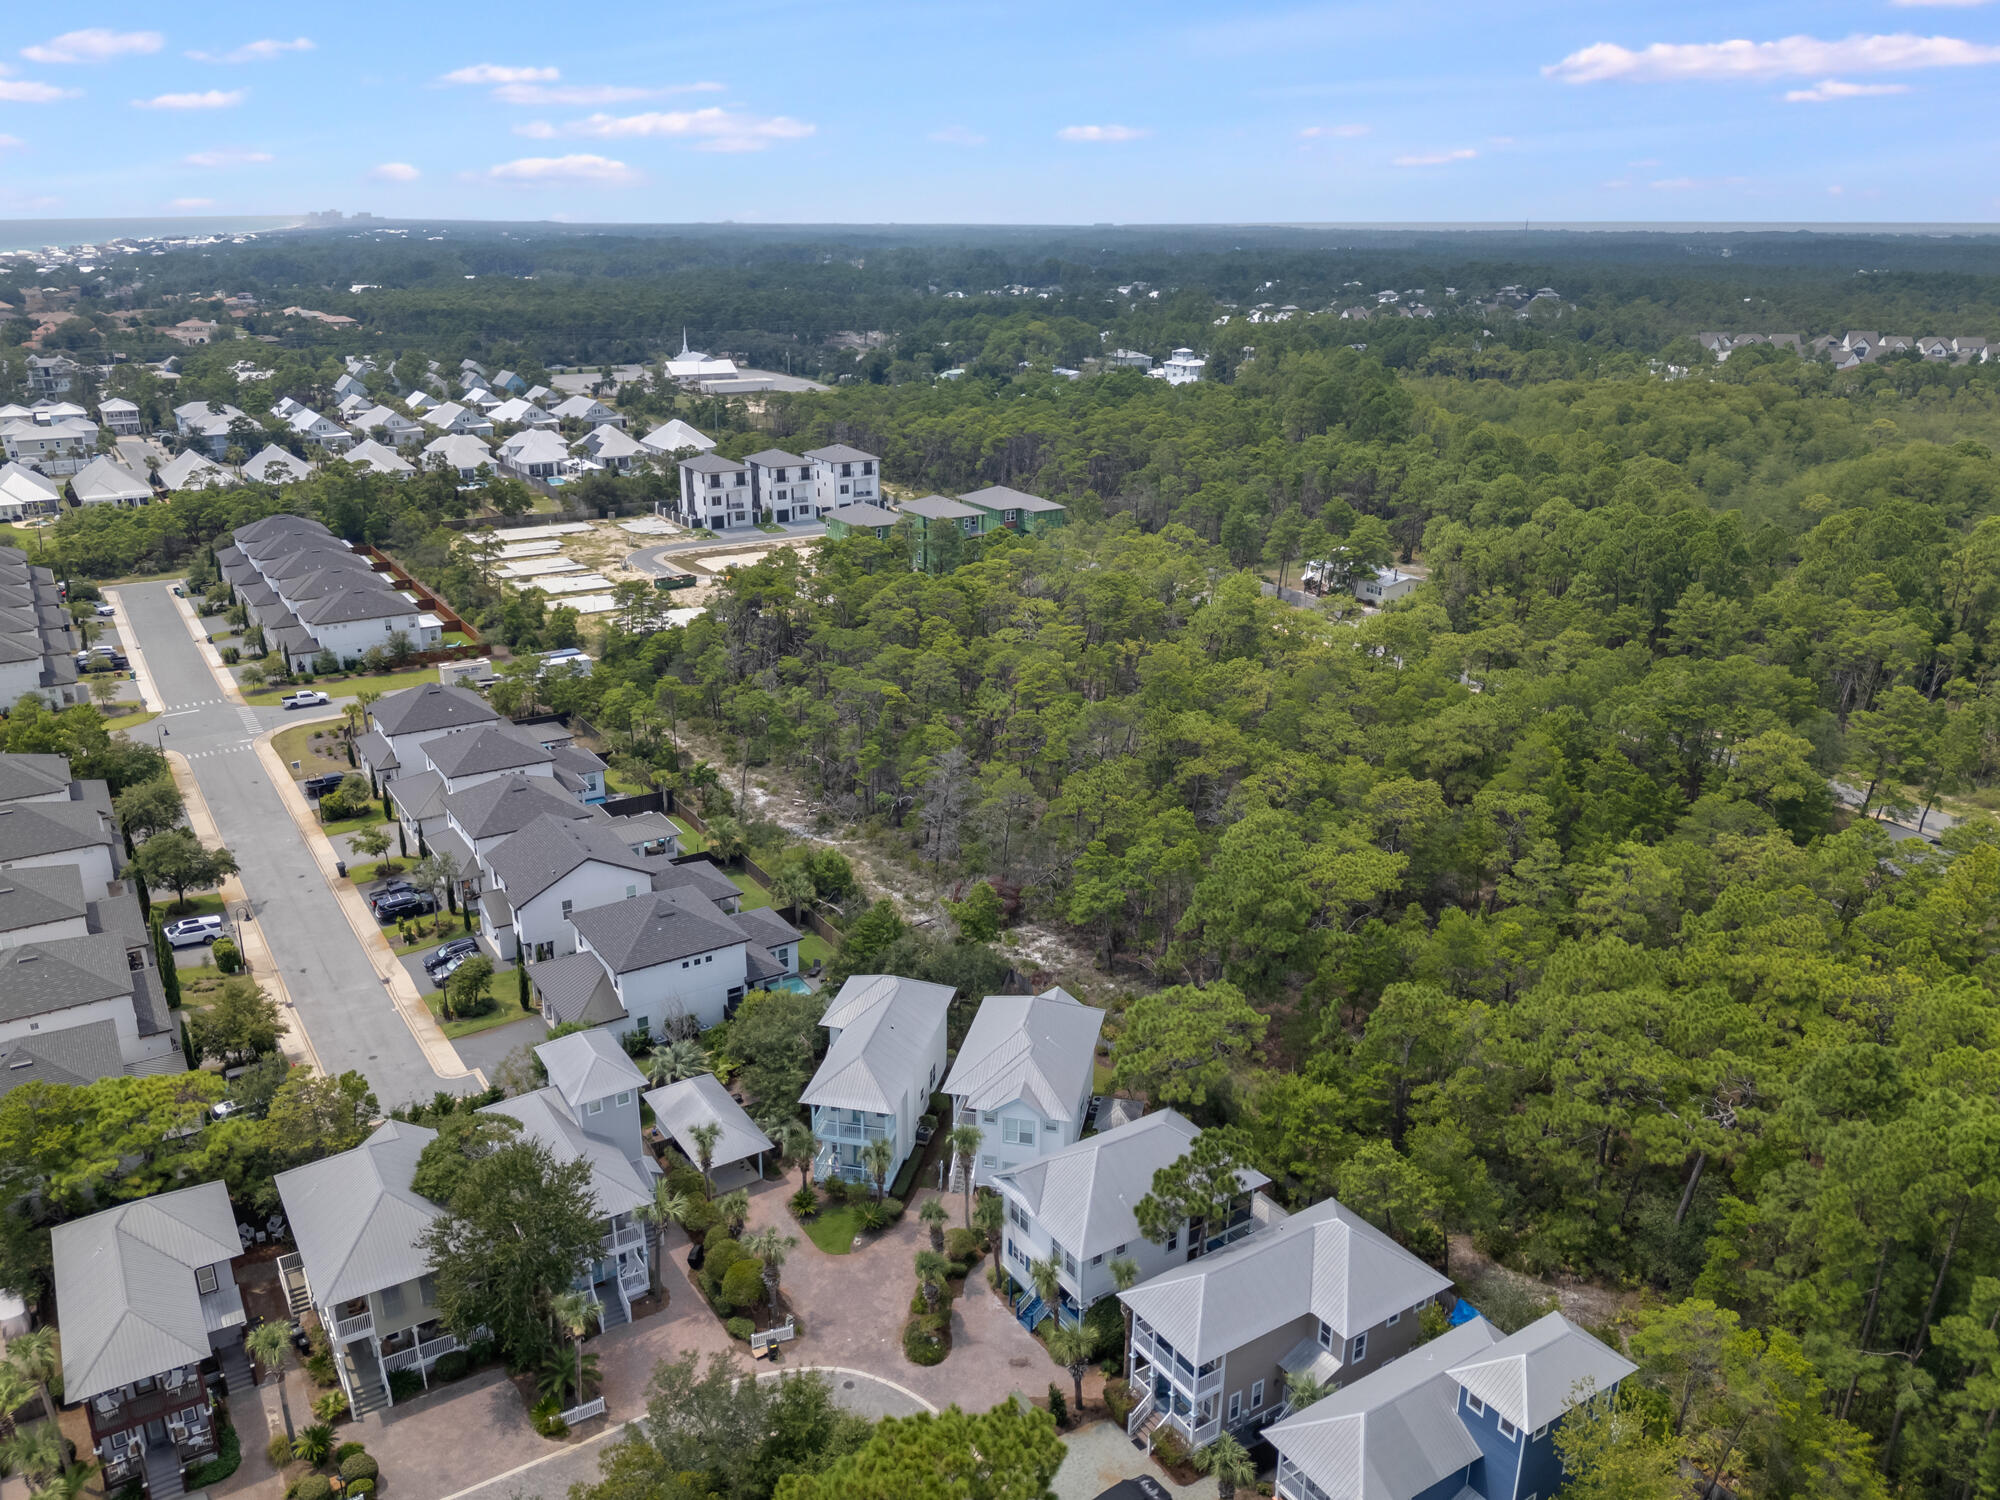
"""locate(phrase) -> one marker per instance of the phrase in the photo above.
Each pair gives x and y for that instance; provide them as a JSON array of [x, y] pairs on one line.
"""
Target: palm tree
[[38, 1356], [936, 1215], [705, 1135], [1229, 1461], [732, 1209], [878, 1156], [770, 1246], [795, 1144], [1301, 1390], [964, 1142], [574, 1312], [15, 1388], [987, 1215], [1072, 1348], [667, 1207], [37, 1451], [68, 1485], [1124, 1273], [676, 1061], [1043, 1273], [270, 1344], [932, 1269]]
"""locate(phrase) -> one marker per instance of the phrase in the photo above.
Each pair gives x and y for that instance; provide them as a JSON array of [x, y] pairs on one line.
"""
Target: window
[[427, 1290], [625, 1098], [989, 1116], [1360, 1348], [1017, 1132], [565, 909], [1508, 1430], [595, 1107], [1256, 1395], [1541, 1432], [1015, 1216], [392, 1301], [1097, 1260], [1394, 1319], [204, 1279], [1119, 1251], [1325, 1333], [989, 1161], [1235, 1407], [1474, 1405], [1174, 1240]]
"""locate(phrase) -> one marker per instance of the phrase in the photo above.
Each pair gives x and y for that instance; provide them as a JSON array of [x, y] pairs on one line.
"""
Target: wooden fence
[[432, 600]]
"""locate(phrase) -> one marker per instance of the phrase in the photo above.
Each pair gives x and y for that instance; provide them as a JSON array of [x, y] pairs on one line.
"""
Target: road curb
[[149, 691], [217, 668]]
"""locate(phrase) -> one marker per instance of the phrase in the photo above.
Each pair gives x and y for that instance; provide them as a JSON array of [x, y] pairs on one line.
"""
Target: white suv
[[191, 930]]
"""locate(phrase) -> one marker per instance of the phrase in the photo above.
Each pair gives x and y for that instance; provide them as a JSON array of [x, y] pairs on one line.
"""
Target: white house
[[588, 410], [387, 424], [273, 465], [315, 428], [1022, 1077], [379, 458], [103, 481], [844, 476], [207, 423], [885, 1056], [715, 493], [25, 492], [611, 446], [520, 412], [1386, 586], [1182, 367], [675, 437], [537, 877], [120, 417], [462, 453], [400, 723], [536, 453], [782, 483], [191, 469]]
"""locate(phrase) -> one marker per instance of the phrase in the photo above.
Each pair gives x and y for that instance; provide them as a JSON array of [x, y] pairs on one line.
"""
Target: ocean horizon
[[39, 234]]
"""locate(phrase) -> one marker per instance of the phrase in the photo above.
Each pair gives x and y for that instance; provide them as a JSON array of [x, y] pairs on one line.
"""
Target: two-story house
[[535, 454], [388, 425], [1323, 1294], [1022, 1077], [675, 437], [151, 1320], [536, 878], [667, 962], [610, 447], [208, 424], [715, 493], [401, 722], [1078, 1208], [844, 476], [459, 453], [935, 519], [1468, 1414], [588, 411], [121, 418], [885, 1056], [1016, 510]]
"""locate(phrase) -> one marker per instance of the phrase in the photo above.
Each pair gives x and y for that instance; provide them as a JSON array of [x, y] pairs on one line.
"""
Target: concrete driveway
[[339, 998]]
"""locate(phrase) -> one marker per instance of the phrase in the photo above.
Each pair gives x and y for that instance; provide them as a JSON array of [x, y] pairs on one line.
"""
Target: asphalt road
[[654, 559], [345, 1008]]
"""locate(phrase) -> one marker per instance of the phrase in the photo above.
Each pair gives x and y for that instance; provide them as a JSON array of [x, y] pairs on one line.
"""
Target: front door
[[156, 1432]]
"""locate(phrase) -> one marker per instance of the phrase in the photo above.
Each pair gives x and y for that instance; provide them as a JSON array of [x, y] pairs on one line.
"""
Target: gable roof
[[1325, 1260], [573, 986], [886, 1025], [273, 465], [531, 860], [29, 828], [1086, 1194], [69, 1054], [102, 479], [702, 1100], [1038, 1049], [655, 927], [535, 446], [1000, 497], [608, 441], [864, 514], [837, 453], [587, 1065], [21, 485], [429, 706], [32, 775], [482, 750], [938, 508], [614, 1181], [38, 894], [378, 458], [192, 469], [509, 803], [1536, 1375], [1392, 1434], [125, 1288], [670, 437], [355, 1216]]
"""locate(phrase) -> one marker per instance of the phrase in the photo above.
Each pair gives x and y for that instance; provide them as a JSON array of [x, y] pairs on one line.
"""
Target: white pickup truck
[[305, 698]]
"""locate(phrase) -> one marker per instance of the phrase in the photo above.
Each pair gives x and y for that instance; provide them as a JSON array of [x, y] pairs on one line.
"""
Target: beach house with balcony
[[151, 1319], [1077, 1207], [1468, 1414], [885, 1055], [1322, 1294], [843, 476], [1022, 1078]]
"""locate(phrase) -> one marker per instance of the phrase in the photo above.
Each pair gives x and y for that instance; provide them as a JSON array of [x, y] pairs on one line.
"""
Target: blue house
[[1468, 1416]]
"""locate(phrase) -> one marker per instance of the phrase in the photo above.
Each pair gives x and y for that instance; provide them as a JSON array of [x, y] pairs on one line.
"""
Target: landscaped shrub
[[1171, 1452], [874, 1216], [320, 1368], [1058, 1405], [359, 1466], [346, 1451], [480, 1352], [723, 1253], [835, 1189], [279, 1450], [330, 1407], [740, 1328], [963, 1245], [405, 1385], [723, 1309], [1118, 1400], [361, 1487], [744, 1285], [313, 1443], [449, 1368], [1105, 1323], [805, 1203], [227, 956], [893, 1207], [546, 1414], [228, 1457], [311, 1487], [687, 1182], [924, 1339], [715, 1237]]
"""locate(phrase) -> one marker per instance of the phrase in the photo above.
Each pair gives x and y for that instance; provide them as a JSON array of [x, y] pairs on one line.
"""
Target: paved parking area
[[1100, 1455]]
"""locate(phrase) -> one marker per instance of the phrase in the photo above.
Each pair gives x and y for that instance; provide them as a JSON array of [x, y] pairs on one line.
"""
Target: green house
[[852, 519], [1012, 509], [936, 514]]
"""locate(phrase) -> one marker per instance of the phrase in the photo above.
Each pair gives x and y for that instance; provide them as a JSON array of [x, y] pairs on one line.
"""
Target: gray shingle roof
[[69, 1054], [939, 508], [837, 453], [1536, 1375], [573, 987], [508, 803], [32, 775], [864, 514], [418, 797], [358, 603], [1392, 1434], [484, 750], [419, 710], [1325, 1260], [886, 1025], [710, 463], [655, 927], [587, 1065], [357, 1220], [700, 875], [702, 1100], [374, 750], [125, 1288], [775, 458], [1000, 497], [1035, 1048], [530, 861], [764, 926], [59, 973], [30, 828], [35, 895], [1085, 1194]]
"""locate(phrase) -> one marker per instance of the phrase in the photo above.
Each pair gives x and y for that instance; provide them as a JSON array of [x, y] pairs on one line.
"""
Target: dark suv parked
[[405, 904], [455, 949]]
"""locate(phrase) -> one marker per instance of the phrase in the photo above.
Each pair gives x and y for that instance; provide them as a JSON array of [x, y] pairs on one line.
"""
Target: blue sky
[[1022, 112]]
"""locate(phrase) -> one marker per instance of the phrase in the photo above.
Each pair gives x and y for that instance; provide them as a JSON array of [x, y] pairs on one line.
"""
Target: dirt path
[[1582, 1302]]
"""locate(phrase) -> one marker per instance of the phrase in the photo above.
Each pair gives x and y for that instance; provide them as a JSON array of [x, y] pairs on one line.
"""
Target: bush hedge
[[359, 1466], [964, 1245], [450, 1367], [740, 1328], [924, 1339], [228, 1458], [311, 1487]]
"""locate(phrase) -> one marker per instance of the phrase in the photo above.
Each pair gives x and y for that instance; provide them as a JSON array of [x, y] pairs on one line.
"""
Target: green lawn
[[503, 987], [199, 985], [691, 842], [347, 687], [754, 895], [813, 946], [355, 825], [621, 785], [454, 927], [198, 904], [834, 1227], [323, 758], [132, 720]]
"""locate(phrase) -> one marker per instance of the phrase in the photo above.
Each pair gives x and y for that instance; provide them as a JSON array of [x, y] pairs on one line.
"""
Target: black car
[[405, 904], [456, 948], [388, 890], [319, 786]]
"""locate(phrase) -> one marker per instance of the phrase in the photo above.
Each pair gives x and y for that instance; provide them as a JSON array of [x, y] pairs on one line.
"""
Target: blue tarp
[[1465, 1312]]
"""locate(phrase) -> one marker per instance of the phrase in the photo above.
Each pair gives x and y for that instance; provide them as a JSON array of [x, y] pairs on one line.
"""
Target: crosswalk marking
[[224, 750]]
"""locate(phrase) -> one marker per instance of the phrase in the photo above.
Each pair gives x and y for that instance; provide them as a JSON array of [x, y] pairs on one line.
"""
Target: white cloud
[[1789, 57], [1436, 158], [1335, 132], [1100, 134], [210, 99], [227, 157], [958, 135], [29, 91], [711, 129], [497, 73], [94, 44], [263, 50], [1674, 184], [11, 143], [395, 171], [1830, 89], [584, 169], [192, 203], [585, 94]]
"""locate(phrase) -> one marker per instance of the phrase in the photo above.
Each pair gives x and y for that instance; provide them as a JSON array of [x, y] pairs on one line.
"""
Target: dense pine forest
[[1550, 911]]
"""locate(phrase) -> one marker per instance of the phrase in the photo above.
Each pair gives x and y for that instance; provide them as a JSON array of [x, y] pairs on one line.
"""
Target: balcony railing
[[1163, 1357], [360, 1326], [420, 1354], [869, 1128], [625, 1237]]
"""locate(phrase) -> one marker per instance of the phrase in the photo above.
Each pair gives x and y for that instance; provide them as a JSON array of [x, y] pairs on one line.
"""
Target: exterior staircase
[[611, 1312], [163, 1472], [292, 1276], [236, 1368], [366, 1391]]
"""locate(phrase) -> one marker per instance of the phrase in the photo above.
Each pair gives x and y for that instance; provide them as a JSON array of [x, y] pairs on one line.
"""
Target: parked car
[[179, 592], [105, 612], [405, 904], [318, 786], [388, 889], [191, 930], [450, 954], [305, 698]]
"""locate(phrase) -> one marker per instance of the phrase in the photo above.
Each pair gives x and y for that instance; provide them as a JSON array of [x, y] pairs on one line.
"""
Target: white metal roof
[[1085, 1195], [1536, 1375], [357, 1220], [1038, 1049], [885, 1026], [587, 1065], [702, 1100]]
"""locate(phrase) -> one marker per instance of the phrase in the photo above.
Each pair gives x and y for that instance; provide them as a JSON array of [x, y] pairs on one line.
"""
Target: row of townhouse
[[980, 513], [1856, 346], [719, 493], [37, 636], [312, 593], [81, 996], [57, 438]]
